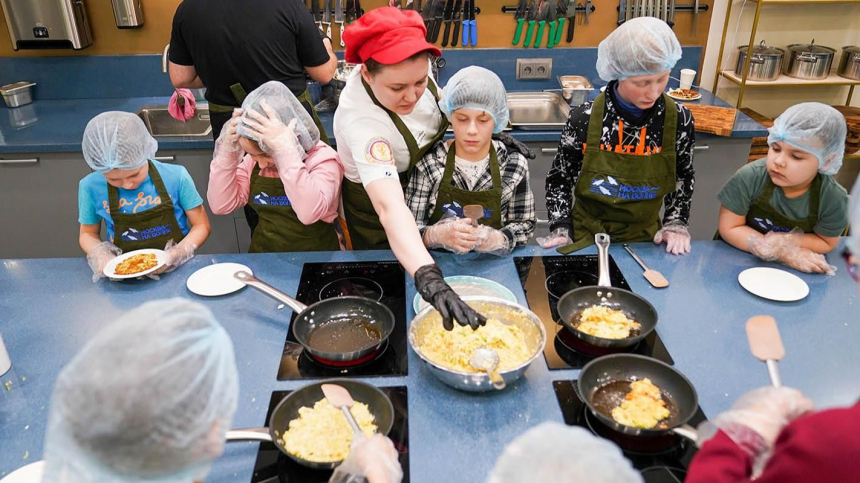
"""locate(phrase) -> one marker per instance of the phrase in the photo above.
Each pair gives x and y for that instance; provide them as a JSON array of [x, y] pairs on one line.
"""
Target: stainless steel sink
[[538, 110], [159, 123]]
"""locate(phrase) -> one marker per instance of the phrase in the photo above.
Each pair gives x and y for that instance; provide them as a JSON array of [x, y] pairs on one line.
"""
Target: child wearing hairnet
[[270, 156], [474, 169], [148, 399], [787, 207], [628, 153], [142, 202]]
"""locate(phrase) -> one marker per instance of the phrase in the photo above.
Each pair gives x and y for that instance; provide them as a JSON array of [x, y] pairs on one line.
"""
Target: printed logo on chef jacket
[[378, 151], [767, 225], [610, 187], [132, 234], [262, 198]]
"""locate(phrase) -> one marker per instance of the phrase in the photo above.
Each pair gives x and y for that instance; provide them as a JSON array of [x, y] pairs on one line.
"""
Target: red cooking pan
[[337, 330], [573, 303]]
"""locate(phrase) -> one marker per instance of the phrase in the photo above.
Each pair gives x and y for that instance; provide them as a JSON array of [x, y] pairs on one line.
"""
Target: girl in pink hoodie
[[269, 155]]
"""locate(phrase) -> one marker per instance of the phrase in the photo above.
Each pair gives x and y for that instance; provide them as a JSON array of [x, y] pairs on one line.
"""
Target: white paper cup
[[5, 363], [687, 78]]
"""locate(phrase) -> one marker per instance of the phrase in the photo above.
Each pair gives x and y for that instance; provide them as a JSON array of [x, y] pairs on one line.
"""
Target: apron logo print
[[454, 209], [767, 225], [612, 188], [378, 151], [262, 198], [132, 234]]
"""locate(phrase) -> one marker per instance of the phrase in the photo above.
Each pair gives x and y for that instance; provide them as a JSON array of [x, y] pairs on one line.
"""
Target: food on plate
[[453, 349], [136, 264], [643, 407], [687, 94], [322, 434], [601, 321]]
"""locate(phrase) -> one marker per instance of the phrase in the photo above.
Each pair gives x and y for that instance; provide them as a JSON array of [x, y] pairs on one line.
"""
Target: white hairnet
[[476, 88], [148, 399], [117, 140], [640, 46], [555, 453], [278, 97], [815, 128]]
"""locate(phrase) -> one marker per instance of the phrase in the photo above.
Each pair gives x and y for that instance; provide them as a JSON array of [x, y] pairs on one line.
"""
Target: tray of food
[[684, 94]]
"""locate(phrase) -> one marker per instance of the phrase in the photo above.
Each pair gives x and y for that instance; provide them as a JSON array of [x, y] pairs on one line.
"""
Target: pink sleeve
[[314, 185], [229, 187]]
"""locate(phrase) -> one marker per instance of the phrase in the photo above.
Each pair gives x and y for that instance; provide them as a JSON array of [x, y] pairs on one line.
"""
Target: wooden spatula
[[473, 212], [655, 278], [339, 397], [766, 344]]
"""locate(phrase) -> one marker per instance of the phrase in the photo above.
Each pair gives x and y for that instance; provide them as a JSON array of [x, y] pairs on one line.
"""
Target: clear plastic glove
[[276, 139], [557, 238], [676, 237], [808, 261], [433, 288], [176, 255], [513, 144], [453, 234], [785, 248], [373, 459], [99, 256], [764, 411], [492, 241], [227, 145]]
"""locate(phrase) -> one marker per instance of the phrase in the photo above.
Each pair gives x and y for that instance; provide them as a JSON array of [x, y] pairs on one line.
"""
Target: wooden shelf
[[784, 80], [804, 2]]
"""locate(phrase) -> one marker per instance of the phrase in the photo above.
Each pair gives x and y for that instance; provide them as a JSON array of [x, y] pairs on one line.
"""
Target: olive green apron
[[621, 194], [304, 98], [152, 228], [450, 196], [279, 229], [365, 230]]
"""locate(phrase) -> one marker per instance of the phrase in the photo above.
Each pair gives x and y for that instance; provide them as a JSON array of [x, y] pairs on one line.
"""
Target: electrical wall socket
[[534, 69]]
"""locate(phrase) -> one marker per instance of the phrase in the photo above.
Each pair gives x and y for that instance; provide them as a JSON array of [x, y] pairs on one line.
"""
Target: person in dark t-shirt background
[[232, 47]]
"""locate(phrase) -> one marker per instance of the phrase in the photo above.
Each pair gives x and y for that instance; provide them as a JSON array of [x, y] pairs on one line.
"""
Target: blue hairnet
[[815, 128], [148, 399], [117, 140], [640, 46], [477, 88], [278, 97], [552, 452]]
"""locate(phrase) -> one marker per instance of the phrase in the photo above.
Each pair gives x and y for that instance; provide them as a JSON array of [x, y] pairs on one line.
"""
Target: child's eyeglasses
[[851, 263]]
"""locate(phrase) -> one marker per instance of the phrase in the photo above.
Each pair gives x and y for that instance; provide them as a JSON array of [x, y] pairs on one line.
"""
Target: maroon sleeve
[[720, 460]]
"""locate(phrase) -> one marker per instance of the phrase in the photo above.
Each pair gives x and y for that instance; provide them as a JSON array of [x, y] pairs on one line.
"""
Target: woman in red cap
[[387, 118]]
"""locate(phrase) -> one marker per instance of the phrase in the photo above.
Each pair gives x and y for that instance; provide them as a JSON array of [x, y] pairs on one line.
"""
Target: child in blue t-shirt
[[143, 203]]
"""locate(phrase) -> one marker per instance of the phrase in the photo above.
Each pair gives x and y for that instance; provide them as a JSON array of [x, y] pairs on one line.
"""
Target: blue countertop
[[58, 125], [51, 309]]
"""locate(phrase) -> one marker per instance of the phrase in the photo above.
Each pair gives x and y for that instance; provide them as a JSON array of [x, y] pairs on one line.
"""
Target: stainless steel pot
[[765, 62], [490, 307], [808, 61], [849, 63]]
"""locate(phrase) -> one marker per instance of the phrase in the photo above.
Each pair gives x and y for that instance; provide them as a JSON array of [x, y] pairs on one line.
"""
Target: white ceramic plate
[[678, 97], [467, 285], [31, 473], [111, 265], [216, 279], [773, 284]]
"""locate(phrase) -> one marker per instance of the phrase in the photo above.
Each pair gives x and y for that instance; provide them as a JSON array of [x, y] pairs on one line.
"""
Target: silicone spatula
[[766, 344], [474, 213], [340, 398], [655, 278]]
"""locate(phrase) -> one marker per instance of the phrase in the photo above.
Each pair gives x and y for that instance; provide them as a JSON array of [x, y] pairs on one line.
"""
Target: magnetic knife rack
[[678, 8], [579, 9], [462, 11]]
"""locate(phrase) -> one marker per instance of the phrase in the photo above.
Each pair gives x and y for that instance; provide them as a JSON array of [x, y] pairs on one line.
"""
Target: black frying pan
[[604, 382], [571, 304], [288, 409], [341, 329]]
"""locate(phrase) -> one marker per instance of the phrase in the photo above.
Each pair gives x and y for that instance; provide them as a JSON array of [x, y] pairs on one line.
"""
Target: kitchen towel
[[182, 105]]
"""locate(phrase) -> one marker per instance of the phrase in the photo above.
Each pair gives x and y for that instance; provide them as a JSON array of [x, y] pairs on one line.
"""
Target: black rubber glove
[[433, 288], [513, 145]]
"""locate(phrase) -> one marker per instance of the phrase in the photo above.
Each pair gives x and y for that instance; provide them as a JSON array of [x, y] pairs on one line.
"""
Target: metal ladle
[[487, 360]]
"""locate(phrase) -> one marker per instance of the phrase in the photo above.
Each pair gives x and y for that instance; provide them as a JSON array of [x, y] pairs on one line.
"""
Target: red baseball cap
[[387, 35]]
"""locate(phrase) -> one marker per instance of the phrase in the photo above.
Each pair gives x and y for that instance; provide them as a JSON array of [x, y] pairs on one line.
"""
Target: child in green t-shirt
[[787, 207]]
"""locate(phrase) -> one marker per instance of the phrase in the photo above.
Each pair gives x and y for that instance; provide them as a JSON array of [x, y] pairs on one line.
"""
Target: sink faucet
[[164, 58]]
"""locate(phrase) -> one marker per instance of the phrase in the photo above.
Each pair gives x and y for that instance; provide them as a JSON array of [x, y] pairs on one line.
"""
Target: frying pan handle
[[687, 431], [267, 289], [602, 242], [249, 434]]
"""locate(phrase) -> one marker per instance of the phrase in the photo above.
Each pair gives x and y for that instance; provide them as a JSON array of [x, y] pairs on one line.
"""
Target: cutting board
[[713, 119]]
